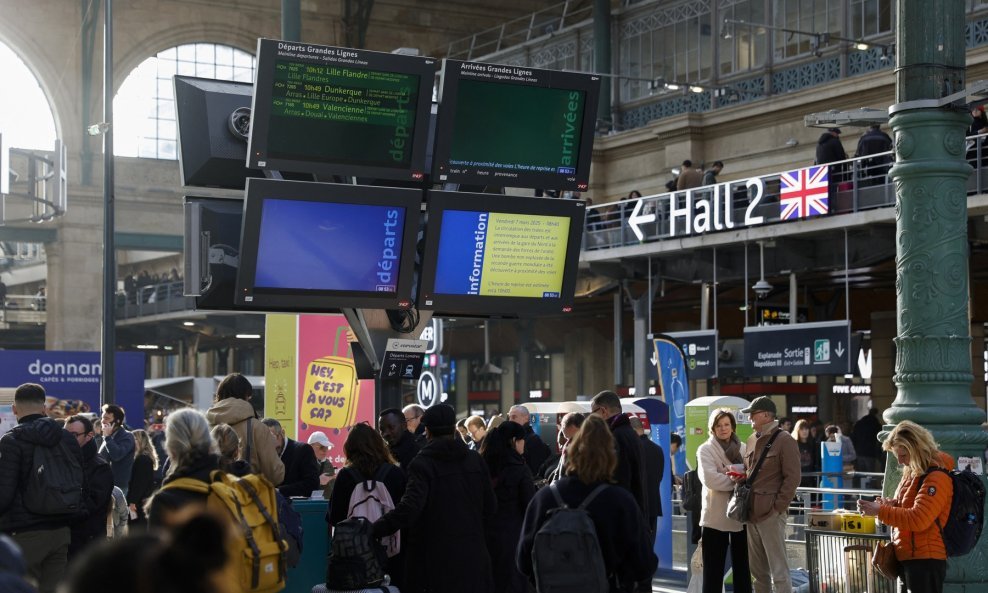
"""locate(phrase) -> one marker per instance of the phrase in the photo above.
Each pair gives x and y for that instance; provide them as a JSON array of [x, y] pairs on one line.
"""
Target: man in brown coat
[[773, 488], [689, 176]]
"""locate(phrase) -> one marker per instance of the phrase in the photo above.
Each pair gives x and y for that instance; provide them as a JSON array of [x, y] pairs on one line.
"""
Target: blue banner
[[674, 390], [72, 379]]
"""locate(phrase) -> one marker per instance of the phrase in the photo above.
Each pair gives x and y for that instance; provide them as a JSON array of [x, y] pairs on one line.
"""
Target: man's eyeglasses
[[76, 434]]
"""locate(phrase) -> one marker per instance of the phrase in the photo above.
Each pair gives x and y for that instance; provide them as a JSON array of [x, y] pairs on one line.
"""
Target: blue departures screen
[[305, 245]]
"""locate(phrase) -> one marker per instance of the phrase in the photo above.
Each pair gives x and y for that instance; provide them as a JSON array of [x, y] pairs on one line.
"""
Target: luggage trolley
[[840, 562]]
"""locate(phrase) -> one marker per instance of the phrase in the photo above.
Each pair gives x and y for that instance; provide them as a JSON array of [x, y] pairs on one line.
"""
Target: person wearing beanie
[[448, 499]]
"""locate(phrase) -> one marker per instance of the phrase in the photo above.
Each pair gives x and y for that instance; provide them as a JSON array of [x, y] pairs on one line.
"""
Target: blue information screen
[[306, 245]]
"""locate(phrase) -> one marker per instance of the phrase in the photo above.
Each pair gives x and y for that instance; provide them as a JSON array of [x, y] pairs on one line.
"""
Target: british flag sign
[[804, 193]]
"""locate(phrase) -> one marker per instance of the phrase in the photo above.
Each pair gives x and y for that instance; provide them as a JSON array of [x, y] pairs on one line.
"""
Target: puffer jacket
[[915, 511], [264, 458], [16, 459]]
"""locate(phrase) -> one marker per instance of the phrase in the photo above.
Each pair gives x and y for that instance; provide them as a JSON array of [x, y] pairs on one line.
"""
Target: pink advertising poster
[[330, 398]]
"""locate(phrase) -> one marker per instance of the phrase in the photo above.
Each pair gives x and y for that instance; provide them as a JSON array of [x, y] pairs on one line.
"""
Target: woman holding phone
[[720, 457], [920, 506]]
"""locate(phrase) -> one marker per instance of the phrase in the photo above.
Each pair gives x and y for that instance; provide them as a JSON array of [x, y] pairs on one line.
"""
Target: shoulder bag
[[884, 560], [739, 507]]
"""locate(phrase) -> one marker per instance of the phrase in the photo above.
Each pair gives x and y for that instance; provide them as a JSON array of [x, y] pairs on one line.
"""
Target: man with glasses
[[413, 419], [774, 488], [394, 428], [98, 486]]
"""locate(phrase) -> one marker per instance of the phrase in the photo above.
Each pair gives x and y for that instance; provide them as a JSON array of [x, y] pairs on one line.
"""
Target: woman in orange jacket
[[919, 509]]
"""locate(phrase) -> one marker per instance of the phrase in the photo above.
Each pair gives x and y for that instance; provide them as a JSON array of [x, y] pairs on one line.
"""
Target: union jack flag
[[804, 193]]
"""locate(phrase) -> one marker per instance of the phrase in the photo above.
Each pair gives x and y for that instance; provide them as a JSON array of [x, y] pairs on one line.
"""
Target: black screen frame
[[195, 132], [453, 71], [437, 202], [209, 212], [269, 51], [324, 301]]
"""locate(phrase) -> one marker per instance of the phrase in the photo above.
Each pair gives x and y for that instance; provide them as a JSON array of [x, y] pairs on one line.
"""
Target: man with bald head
[[536, 451]]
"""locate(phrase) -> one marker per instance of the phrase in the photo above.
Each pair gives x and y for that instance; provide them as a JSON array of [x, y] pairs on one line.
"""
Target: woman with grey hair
[[193, 455]]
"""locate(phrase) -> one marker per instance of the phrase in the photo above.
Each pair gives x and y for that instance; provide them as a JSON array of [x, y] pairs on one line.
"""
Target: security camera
[[762, 288]]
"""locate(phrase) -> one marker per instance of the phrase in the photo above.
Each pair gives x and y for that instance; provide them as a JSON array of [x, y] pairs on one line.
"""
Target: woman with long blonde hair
[[621, 532], [141, 478], [919, 508]]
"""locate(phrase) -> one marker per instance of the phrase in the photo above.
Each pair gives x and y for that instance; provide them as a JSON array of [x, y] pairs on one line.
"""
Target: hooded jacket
[[448, 501], [264, 459], [914, 513], [16, 458]]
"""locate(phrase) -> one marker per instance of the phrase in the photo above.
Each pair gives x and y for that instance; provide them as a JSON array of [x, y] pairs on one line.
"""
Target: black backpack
[[692, 491], [967, 511], [566, 556], [54, 484], [356, 559]]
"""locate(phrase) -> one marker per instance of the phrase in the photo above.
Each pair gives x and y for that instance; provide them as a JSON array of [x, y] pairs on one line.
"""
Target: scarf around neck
[[732, 448]]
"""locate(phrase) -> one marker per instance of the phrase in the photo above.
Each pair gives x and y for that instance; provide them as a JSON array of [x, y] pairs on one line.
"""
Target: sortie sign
[[821, 348]]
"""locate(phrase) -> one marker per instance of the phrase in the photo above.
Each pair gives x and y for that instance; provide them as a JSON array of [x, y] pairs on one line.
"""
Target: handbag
[[739, 507], [885, 562]]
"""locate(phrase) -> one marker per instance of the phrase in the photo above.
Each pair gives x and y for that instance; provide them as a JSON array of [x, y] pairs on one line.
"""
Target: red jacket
[[913, 515]]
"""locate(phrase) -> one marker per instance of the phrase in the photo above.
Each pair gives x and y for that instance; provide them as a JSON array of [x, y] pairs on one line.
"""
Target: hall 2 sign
[[711, 212]]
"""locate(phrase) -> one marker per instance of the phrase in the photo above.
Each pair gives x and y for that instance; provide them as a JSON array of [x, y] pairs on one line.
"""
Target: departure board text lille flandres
[[336, 93]]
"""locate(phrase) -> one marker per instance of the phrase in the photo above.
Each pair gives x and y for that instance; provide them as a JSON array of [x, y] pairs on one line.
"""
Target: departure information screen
[[336, 113]]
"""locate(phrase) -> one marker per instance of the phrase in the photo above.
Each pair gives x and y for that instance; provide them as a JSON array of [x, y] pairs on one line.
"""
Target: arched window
[[26, 119], [144, 108]]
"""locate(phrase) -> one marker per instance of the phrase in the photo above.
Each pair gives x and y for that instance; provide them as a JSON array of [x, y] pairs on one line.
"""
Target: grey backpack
[[566, 556]]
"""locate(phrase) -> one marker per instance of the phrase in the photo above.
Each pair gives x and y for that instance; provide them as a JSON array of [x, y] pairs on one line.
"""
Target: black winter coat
[[339, 508], [405, 449], [829, 149], [536, 451], [629, 474], [301, 469], [620, 526], [448, 501], [165, 502], [16, 458], [654, 459], [99, 494], [141, 485], [514, 489]]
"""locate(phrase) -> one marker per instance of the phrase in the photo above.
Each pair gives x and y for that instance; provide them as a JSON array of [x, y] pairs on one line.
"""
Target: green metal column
[[933, 372]]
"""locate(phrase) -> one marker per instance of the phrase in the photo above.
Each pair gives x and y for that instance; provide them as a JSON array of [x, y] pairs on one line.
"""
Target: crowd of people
[[144, 287], [483, 488], [476, 494]]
